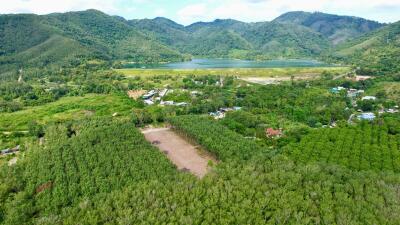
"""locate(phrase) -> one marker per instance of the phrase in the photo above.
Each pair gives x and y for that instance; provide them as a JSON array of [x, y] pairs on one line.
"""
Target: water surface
[[230, 63]]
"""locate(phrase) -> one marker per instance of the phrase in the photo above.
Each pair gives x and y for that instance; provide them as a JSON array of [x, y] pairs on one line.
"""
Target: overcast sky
[[189, 11]]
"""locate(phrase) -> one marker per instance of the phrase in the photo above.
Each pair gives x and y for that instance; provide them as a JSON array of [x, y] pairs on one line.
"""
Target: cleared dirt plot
[[182, 153]]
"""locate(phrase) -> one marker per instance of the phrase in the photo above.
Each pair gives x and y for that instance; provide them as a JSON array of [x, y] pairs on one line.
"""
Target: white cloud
[[265, 10], [50, 6]]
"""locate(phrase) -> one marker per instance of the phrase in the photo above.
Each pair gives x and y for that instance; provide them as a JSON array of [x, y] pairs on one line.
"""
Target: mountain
[[67, 37], [336, 28], [70, 38], [236, 39], [375, 52]]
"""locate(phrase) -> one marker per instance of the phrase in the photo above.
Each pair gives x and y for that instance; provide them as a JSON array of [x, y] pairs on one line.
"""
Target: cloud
[[50, 6], [266, 10], [189, 11]]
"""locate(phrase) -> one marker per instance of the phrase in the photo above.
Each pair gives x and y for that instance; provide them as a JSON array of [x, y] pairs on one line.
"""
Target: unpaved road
[[183, 154]]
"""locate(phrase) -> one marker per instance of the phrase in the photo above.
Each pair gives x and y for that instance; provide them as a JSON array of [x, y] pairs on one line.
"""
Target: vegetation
[[364, 147], [217, 139], [74, 165], [291, 152], [267, 72]]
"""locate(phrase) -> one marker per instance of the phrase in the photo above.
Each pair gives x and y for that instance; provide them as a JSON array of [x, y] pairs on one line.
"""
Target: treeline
[[217, 139], [256, 192], [367, 146], [77, 161]]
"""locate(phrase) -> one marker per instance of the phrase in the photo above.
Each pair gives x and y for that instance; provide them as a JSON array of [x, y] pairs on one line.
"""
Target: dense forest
[[68, 39], [304, 146]]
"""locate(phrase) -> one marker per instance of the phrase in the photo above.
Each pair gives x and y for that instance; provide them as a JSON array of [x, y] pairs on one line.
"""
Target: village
[[358, 95]]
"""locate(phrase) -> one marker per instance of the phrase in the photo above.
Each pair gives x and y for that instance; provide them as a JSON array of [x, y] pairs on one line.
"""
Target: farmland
[[268, 72], [366, 147]]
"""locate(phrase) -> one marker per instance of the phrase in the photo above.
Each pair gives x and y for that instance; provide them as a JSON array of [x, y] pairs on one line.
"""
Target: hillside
[[61, 39], [375, 52], [337, 29]]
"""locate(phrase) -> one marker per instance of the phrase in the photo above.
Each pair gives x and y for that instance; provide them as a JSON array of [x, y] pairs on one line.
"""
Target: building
[[148, 102], [10, 151], [366, 98], [167, 103], [366, 116], [217, 115], [272, 133], [149, 94], [336, 90]]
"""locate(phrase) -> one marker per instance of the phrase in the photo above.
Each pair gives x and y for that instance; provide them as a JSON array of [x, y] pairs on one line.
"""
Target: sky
[[189, 11]]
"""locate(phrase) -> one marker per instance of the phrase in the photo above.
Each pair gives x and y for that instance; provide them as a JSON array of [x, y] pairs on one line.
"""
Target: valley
[[107, 120]]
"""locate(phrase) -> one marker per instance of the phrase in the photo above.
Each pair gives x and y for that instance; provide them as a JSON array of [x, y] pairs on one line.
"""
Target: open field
[[66, 109], [391, 89], [264, 72], [183, 154]]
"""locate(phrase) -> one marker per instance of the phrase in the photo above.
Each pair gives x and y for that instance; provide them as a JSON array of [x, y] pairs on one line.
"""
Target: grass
[[68, 108], [241, 72], [392, 90]]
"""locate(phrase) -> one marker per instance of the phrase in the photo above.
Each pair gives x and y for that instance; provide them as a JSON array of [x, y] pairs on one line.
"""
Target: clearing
[[183, 154]]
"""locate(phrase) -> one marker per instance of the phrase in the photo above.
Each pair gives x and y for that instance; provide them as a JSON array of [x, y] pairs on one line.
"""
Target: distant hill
[[375, 52], [70, 38], [64, 38], [336, 28]]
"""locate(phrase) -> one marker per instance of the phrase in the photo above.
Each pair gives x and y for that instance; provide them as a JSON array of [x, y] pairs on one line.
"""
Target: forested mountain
[[64, 38], [69, 38], [378, 51], [336, 28]]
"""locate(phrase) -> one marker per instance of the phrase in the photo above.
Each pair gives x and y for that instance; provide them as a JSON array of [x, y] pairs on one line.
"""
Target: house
[[366, 98], [217, 115], [272, 133], [392, 110], [353, 93], [181, 104], [149, 94], [336, 90], [167, 103], [10, 151], [366, 116], [148, 102]]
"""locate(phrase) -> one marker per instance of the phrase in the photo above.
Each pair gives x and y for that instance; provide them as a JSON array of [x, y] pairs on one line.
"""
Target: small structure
[[217, 115], [149, 94], [272, 133], [167, 103], [181, 104], [148, 102], [337, 90], [10, 151], [392, 110], [366, 98], [353, 93], [366, 116]]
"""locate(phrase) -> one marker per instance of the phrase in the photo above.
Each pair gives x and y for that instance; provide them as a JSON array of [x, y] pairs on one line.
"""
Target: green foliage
[[214, 137], [78, 161], [363, 147], [256, 192], [337, 28]]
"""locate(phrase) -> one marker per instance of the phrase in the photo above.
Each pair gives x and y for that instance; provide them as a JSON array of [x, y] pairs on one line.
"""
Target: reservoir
[[229, 63]]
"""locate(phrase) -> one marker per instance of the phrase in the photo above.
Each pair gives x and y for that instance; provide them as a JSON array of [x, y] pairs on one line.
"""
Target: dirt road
[[183, 154]]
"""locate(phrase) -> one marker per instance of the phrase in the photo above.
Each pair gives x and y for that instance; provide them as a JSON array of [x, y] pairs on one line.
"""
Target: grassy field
[[392, 90], [67, 108], [264, 72]]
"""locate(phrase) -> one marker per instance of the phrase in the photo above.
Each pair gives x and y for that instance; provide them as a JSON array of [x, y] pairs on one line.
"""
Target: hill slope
[[376, 52], [59, 38], [336, 28]]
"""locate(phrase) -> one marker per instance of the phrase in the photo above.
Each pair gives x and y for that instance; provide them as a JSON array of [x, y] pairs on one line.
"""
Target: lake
[[229, 63]]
